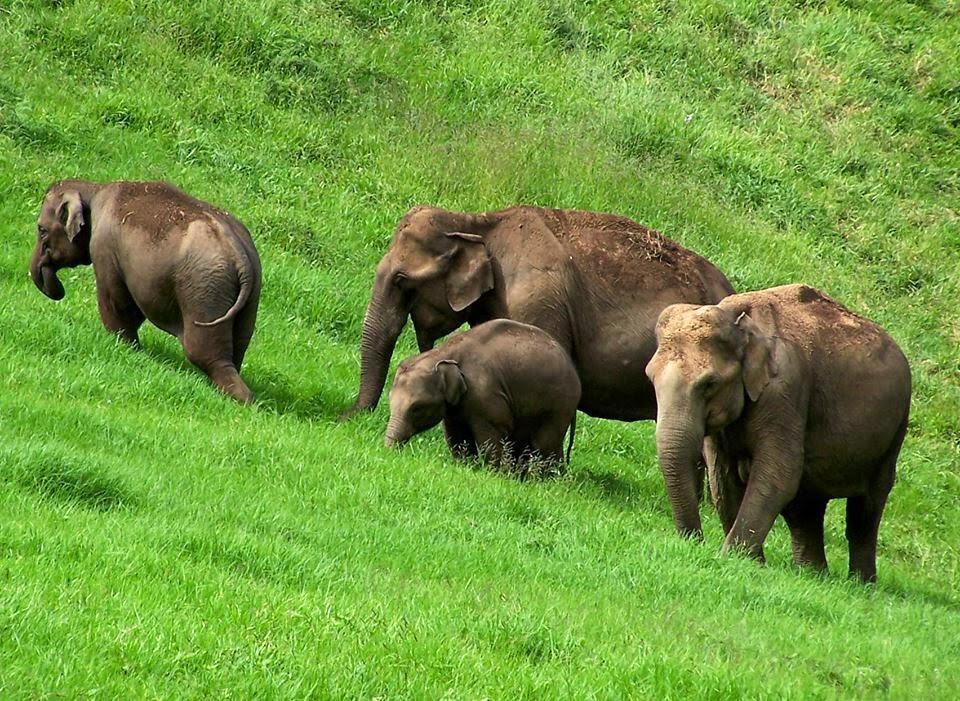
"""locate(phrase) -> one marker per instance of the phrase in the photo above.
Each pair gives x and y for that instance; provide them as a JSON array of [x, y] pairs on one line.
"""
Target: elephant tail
[[573, 431], [244, 275]]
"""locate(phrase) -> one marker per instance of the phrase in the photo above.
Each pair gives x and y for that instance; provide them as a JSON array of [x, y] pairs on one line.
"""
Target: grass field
[[158, 540]]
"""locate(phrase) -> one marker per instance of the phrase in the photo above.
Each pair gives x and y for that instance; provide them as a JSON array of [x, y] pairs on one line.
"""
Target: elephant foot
[[238, 391], [750, 550], [353, 411], [228, 381]]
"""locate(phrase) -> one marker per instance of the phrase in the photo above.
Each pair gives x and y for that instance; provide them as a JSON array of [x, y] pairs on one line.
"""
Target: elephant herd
[[789, 398]]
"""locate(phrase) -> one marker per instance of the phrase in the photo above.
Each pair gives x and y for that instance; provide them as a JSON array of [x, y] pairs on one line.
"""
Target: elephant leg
[[521, 454], [753, 522], [491, 442], [863, 522], [243, 331], [520, 449], [459, 438], [774, 479], [864, 513], [425, 339], [118, 312], [211, 350], [726, 487], [805, 520], [547, 441]]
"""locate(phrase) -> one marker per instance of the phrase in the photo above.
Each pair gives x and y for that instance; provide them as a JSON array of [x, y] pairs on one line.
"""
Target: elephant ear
[[454, 384], [70, 213], [760, 357], [470, 273]]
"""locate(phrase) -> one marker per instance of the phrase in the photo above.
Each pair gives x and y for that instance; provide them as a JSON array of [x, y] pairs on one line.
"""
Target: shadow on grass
[[64, 481], [619, 491], [277, 393], [909, 594], [273, 392], [280, 564], [172, 357]]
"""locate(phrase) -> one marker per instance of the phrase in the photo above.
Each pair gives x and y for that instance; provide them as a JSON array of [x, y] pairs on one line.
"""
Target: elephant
[[157, 254], [499, 385], [595, 282], [794, 400]]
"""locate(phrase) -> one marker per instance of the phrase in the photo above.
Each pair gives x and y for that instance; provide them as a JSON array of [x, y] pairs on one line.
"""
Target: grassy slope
[[156, 539]]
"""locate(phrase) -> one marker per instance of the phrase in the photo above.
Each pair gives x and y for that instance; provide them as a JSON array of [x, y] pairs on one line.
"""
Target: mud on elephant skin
[[157, 254], [795, 400], [499, 386], [595, 282]]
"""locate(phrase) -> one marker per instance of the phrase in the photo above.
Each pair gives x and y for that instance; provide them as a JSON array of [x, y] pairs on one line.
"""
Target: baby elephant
[[795, 400], [499, 383], [157, 254]]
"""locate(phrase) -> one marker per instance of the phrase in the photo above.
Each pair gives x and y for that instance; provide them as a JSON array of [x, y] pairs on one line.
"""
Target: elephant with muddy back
[[157, 254], [595, 282], [794, 400]]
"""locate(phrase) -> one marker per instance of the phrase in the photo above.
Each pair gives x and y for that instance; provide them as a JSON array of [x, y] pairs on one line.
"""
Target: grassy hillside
[[158, 540]]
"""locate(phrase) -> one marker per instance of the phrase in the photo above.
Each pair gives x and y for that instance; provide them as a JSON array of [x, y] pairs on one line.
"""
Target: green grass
[[158, 540]]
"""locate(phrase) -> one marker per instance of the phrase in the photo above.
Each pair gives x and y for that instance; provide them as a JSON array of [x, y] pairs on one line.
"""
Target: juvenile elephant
[[595, 282], [795, 400], [157, 254], [499, 383]]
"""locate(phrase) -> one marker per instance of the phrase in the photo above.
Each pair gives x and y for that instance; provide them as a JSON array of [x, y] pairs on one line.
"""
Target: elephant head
[[709, 363], [436, 269], [420, 394], [63, 238]]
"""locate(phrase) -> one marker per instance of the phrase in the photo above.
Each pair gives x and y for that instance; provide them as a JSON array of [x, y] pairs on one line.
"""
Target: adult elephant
[[795, 400], [158, 254], [596, 282]]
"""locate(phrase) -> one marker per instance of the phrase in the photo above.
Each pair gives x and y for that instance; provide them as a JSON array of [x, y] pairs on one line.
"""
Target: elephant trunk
[[385, 318], [396, 434], [679, 446], [45, 276]]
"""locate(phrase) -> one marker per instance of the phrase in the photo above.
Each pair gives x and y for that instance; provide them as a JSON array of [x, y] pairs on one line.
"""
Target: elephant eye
[[708, 383], [403, 282], [420, 411], [42, 232]]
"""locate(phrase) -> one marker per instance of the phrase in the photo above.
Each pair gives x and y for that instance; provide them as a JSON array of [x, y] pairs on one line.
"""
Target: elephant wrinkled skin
[[157, 254], [795, 400], [595, 282]]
